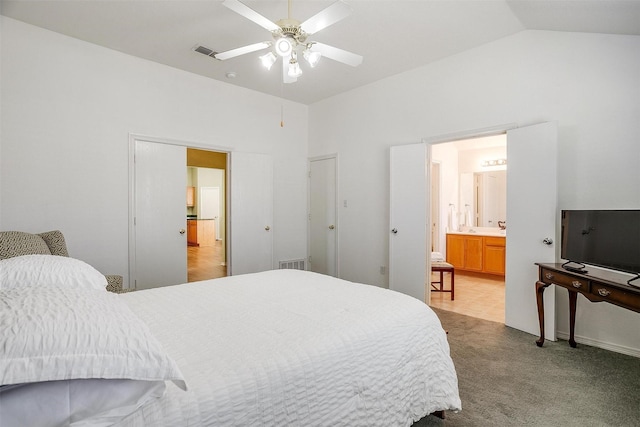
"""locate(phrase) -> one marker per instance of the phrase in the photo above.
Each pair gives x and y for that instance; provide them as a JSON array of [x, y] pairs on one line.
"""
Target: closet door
[[251, 234], [322, 216], [159, 256]]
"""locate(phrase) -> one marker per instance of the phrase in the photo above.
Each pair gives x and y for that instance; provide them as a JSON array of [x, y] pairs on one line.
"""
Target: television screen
[[605, 238]]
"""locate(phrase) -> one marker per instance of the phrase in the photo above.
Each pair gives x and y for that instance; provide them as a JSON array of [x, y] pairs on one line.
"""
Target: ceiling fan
[[291, 37]]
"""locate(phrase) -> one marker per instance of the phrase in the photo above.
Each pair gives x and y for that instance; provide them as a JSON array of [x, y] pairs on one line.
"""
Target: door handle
[[394, 231], [267, 228], [547, 241], [182, 231], [331, 227]]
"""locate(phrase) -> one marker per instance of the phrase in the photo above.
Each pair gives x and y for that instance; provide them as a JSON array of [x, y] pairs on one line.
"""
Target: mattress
[[295, 348]]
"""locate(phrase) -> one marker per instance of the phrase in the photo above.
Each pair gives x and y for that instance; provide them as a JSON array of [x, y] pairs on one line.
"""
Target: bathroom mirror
[[483, 198]]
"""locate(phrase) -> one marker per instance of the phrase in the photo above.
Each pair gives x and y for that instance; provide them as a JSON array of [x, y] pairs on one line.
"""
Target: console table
[[597, 287]]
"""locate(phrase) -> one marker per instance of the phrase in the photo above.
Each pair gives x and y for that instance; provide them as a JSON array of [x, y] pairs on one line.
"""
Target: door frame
[[133, 137], [336, 216], [435, 186]]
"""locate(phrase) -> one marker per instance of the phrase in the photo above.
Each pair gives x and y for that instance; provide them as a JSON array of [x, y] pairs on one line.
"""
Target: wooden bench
[[442, 267]]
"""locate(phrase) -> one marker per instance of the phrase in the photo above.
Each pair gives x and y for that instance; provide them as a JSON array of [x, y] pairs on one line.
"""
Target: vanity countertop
[[481, 231]]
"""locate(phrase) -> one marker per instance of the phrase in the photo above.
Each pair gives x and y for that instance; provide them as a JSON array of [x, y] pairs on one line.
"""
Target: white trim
[[600, 344], [468, 134]]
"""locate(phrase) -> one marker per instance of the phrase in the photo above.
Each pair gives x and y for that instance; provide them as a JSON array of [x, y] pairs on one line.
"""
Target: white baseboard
[[601, 344]]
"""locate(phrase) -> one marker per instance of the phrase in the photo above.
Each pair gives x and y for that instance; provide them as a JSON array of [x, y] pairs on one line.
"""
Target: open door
[[322, 216], [159, 256], [532, 217], [409, 220], [251, 182]]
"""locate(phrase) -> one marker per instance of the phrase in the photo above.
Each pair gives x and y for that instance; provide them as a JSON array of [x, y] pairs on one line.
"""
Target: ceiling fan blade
[[337, 54], [332, 14], [250, 14], [241, 50], [286, 78]]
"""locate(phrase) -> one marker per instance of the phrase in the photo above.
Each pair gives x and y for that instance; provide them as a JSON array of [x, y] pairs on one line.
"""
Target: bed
[[277, 348]]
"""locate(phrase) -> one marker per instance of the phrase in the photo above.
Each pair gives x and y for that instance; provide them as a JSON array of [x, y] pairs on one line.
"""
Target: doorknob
[[547, 241], [182, 231], [267, 228], [331, 227], [394, 231]]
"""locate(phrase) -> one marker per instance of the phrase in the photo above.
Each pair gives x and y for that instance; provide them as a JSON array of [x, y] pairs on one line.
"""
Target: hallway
[[205, 262]]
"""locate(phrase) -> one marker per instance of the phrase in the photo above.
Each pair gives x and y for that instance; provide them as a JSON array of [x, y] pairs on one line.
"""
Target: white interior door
[[322, 216], [532, 216], [209, 203], [251, 192], [408, 215], [159, 215]]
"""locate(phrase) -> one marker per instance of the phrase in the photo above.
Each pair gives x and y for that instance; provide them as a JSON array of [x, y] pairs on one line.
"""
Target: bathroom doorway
[[471, 202]]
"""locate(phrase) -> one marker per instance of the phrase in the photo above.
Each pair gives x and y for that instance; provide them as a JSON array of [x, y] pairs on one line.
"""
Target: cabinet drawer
[[616, 296], [494, 241], [553, 277]]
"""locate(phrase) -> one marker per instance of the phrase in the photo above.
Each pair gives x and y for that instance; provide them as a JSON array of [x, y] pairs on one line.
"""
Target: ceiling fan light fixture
[[268, 60], [312, 57], [284, 46], [294, 67]]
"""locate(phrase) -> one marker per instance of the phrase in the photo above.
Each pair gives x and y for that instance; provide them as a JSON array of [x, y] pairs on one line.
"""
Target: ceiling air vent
[[205, 51]]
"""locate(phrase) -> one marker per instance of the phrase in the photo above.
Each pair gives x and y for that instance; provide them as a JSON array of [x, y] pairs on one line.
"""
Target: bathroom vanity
[[480, 250]]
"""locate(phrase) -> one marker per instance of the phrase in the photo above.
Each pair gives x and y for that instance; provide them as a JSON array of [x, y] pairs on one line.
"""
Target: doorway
[[206, 214], [322, 229], [475, 204], [532, 180]]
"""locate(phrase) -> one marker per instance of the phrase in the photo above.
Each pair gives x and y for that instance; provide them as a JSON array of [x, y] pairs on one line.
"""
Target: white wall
[[68, 108], [589, 83]]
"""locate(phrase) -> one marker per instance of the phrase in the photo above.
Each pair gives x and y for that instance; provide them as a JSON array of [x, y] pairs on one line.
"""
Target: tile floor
[[476, 295]]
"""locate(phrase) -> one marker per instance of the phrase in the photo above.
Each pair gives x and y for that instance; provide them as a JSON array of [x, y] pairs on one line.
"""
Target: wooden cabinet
[[482, 254], [465, 252], [191, 197], [456, 250], [206, 232], [201, 232], [192, 232], [494, 255]]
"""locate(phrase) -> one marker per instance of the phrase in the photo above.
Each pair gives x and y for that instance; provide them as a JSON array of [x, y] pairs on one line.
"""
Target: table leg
[[540, 287], [452, 283], [573, 296]]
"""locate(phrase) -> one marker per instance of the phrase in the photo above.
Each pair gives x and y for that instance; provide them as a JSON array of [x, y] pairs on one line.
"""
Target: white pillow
[[50, 334], [49, 270], [90, 402]]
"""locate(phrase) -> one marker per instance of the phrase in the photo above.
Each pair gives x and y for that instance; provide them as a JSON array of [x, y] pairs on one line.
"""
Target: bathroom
[[469, 226]]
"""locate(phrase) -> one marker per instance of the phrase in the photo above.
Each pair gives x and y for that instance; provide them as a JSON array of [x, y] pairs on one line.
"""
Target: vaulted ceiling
[[392, 36]]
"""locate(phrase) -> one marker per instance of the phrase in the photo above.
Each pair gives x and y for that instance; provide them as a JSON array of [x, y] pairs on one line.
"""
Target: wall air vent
[[295, 264], [205, 51]]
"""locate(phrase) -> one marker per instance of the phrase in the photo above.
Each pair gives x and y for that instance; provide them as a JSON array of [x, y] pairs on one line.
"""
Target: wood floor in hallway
[[205, 262], [476, 295]]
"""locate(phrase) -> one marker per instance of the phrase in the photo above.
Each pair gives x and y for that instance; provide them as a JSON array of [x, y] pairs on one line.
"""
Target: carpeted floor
[[506, 380]]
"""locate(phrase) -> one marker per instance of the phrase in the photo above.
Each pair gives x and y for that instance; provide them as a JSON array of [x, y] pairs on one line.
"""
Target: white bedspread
[[294, 348]]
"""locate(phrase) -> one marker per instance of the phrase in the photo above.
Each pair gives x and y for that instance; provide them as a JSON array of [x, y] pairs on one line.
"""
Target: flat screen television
[[603, 238]]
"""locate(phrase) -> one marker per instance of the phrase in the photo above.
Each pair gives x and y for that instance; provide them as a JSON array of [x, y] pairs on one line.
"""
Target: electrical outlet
[[383, 269]]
